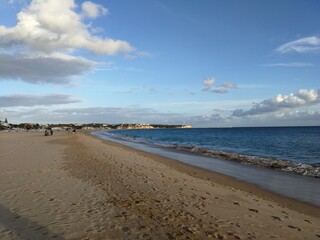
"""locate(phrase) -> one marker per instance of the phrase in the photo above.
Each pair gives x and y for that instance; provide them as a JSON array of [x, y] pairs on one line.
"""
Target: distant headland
[[4, 125]]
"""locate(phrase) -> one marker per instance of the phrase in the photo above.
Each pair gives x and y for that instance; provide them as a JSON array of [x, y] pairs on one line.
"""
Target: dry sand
[[75, 186]]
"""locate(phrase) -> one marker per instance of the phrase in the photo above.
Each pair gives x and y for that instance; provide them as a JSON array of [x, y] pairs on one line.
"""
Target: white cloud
[[92, 10], [208, 83], [286, 118], [53, 25], [53, 68], [299, 117], [291, 64], [28, 100], [303, 45], [229, 85], [309, 96], [209, 86], [303, 97]]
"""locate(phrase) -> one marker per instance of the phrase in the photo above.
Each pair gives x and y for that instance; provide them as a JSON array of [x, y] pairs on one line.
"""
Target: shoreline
[[283, 165], [77, 186], [198, 172], [304, 190]]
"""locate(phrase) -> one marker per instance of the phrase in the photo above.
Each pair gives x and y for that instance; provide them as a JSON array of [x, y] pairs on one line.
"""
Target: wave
[[277, 164], [266, 162]]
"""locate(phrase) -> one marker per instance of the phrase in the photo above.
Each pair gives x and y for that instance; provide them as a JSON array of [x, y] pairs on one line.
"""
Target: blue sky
[[206, 63]]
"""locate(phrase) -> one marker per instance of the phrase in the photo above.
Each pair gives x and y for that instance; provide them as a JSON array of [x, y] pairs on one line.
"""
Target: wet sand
[[75, 186]]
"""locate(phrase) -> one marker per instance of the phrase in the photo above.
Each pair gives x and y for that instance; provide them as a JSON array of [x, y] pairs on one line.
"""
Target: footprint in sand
[[293, 227], [286, 214], [276, 218], [253, 210], [251, 235]]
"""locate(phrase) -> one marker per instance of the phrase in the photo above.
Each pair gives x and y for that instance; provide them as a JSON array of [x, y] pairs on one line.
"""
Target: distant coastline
[[87, 126]]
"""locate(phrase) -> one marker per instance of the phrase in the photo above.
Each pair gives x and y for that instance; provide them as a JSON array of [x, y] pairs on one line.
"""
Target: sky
[[207, 63]]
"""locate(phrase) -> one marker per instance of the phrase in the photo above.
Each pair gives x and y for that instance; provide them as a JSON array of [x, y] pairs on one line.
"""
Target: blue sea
[[285, 160]]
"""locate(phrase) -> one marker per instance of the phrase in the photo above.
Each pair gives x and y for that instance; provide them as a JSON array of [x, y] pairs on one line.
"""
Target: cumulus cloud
[[93, 10], [303, 97], [53, 25], [54, 68], [27, 100], [209, 86], [302, 45]]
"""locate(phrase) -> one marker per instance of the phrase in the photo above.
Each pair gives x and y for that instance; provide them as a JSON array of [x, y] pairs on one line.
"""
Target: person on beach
[[51, 131], [46, 132]]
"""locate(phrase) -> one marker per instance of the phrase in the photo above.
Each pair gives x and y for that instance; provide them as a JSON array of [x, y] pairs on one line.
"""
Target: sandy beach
[[76, 186]]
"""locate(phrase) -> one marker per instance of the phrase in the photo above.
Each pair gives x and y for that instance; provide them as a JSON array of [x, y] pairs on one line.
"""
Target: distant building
[[186, 126], [88, 128]]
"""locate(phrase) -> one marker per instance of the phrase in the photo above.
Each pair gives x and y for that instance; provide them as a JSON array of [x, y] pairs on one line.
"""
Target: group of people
[[48, 131]]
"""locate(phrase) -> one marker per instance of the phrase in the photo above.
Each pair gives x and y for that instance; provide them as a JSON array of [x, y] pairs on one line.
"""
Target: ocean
[[285, 160]]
